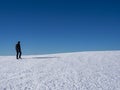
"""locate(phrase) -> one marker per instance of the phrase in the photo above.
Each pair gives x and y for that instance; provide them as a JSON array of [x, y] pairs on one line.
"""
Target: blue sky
[[53, 26]]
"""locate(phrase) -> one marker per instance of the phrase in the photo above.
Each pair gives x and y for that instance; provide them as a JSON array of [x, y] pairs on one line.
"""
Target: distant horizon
[[64, 52], [52, 26]]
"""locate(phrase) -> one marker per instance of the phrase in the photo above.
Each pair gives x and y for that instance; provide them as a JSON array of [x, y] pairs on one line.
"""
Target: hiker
[[18, 50]]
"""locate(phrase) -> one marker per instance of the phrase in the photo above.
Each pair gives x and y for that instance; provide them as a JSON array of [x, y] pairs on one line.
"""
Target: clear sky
[[53, 26]]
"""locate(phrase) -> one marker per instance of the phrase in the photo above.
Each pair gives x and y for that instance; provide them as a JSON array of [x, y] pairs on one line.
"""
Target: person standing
[[18, 50]]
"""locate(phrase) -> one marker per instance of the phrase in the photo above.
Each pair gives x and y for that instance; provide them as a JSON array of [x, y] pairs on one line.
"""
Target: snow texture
[[98, 70]]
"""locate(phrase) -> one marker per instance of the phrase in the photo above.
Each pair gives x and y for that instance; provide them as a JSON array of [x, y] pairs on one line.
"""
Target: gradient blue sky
[[53, 26]]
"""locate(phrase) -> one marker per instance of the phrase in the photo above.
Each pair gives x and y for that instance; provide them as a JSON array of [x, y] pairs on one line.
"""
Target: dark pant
[[18, 55]]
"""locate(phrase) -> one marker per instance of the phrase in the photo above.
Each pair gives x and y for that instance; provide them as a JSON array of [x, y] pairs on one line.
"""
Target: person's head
[[18, 42]]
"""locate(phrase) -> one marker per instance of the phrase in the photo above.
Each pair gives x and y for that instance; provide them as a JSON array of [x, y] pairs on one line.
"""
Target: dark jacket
[[18, 47]]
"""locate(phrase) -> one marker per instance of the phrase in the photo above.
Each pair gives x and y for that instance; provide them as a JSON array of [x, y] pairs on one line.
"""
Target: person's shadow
[[44, 57]]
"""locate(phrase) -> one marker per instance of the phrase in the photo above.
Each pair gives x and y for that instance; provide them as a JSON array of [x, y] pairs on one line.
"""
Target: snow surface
[[98, 70]]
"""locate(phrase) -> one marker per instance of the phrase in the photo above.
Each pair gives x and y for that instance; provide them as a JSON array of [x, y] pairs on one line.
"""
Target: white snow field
[[93, 70]]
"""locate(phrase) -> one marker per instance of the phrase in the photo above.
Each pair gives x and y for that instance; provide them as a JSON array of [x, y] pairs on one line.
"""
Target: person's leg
[[16, 55], [20, 53]]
